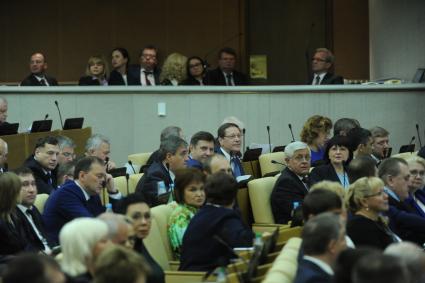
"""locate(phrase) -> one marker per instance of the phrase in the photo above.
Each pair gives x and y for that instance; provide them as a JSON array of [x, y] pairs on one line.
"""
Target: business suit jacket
[[287, 190], [404, 222], [66, 204], [323, 172], [192, 81], [329, 79], [41, 178], [133, 75], [202, 248], [309, 272], [12, 237], [237, 160], [420, 195], [31, 80], [115, 78], [216, 77], [148, 184], [88, 80], [30, 233]]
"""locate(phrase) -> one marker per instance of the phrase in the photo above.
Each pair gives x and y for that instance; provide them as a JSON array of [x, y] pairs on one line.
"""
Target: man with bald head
[[3, 111], [3, 156], [38, 67]]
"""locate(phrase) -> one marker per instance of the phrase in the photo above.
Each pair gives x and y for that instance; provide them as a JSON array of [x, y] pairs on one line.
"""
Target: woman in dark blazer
[[195, 67], [366, 200], [96, 71], [12, 236], [120, 61], [216, 229], [338, 154]]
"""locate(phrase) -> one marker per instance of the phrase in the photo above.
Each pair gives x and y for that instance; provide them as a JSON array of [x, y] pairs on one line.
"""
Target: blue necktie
[[236, 165]]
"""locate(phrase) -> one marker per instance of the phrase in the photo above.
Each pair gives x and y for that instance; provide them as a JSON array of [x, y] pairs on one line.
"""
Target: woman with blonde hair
[[315, 134], [174, 70], [416, 197], [12, 237], [366, 200], [82, 240], [96, 72]]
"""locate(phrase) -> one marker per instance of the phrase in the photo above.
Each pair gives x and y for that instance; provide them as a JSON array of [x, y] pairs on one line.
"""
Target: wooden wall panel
[[68, 32]]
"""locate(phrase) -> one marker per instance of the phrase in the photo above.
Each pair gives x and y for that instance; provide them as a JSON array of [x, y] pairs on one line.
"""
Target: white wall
[[397, 38]]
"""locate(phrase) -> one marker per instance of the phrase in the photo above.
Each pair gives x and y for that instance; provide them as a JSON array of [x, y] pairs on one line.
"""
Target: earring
[[367, 208]]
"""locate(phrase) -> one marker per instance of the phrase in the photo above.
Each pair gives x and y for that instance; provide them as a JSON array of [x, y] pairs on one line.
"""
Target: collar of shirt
[[375, 158], [86, 195], [39, 78], [320, 263], [321, 76], [225, 153], [226, 74], [391, 193], [23, 208]]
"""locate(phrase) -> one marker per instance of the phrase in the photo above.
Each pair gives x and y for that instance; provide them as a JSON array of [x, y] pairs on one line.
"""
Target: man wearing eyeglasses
[[321, 66], [403, 220], [381, 144], [147, 73], [66, 150], [292, 185], [230, 139]]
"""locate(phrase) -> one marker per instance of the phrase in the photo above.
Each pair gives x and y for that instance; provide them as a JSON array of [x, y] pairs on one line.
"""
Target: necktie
[[35, 219], [305, 182], [317, 81], [43, 82], [235, 163], [49, 176], [229, 79], [148, 82]]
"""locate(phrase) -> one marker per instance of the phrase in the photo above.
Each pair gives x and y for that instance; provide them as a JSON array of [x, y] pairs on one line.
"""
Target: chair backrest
[[267, 166], [121, 184], [154, 244], [285, 265], [161, 214], [132, 182], [139, 159], [40, 201], [405, 155], [259, 195]]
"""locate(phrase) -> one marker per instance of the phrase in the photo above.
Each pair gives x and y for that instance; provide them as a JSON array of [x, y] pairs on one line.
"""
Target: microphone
[[277, 162], [419, 136], [243, 138], [60, 115], [131, 164], [268, 134], [292, 133], [127, 176], [47, 116], [412, 140]]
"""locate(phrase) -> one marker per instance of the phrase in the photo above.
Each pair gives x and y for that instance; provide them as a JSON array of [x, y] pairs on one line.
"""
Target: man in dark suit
[[173, 154], [321, 66], [230, 138], [147, 73], [44, 163], [226, 74], [38, 67], [3, 110], [381, 144], [3, 156], [29, 215], [79, 198], [292, 185], [201, 148], [403, 219], [323, 238]]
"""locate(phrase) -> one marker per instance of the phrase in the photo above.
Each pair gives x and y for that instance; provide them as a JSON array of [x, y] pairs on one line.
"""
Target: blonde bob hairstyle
[[330, 186], [174, 68], [78, 239], [10, 189], [415, 159], [97, 60], [313, 127], [359, 190]]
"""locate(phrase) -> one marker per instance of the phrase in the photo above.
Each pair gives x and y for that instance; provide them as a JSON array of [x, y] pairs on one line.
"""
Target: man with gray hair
[[118, 227], [403, 220], [165, 133], [99, 145], [413, 257], [173, 154], [3, 155], [321, 66], [292, 185], [66, 150], [3, 111], [323, 238], [380, 144]]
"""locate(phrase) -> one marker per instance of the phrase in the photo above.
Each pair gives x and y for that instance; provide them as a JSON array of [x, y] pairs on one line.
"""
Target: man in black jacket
[[321, 66], [292, 185], [44, 163], [38, 67]]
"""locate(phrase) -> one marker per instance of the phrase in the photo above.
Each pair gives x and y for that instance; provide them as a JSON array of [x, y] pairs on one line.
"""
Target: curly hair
[[313, 126], [174, 68]]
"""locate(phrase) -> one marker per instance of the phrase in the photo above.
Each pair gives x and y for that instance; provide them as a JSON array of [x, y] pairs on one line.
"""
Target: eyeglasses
[[149, 56], [318, 59], [232, 137], [380, 193], [417, 173]]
